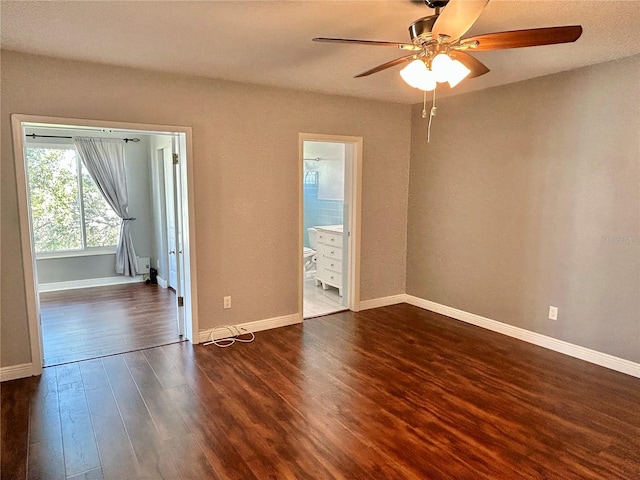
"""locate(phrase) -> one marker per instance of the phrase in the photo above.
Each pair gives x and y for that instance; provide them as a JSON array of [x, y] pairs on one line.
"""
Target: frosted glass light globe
[[457, 73], [414, 73], [418, 76], [428, 81], [441, 65]]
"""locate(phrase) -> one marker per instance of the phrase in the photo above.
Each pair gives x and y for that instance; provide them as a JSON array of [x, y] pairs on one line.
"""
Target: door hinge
[[181, 301], [175, 158]]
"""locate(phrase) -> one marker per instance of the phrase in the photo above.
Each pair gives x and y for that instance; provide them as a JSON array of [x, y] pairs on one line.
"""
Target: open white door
[[177, 240], [173, 206], [170, 209]]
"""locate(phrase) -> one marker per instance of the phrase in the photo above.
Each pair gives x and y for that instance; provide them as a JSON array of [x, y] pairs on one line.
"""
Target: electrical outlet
[[553, 313], [227, 302], [158, 263]]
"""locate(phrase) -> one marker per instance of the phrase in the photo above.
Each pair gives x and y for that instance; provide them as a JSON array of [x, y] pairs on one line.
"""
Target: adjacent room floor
[[388, 393], [93, 322], [318, 302]]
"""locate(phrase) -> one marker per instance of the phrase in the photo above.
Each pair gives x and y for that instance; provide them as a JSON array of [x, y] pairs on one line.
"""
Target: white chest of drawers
[[329, 260]]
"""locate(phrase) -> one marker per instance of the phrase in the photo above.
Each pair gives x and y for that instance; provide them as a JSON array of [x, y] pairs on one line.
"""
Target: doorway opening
[[330, 181], [79, 307]]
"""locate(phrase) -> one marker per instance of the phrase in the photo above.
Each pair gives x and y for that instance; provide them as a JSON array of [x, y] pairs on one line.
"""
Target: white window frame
[[84, 251]]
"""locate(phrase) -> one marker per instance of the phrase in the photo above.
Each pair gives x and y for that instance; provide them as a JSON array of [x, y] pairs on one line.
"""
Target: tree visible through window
[[67, 209]]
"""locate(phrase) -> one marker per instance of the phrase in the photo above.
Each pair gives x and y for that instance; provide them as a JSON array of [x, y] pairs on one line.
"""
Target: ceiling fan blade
[[403, 46], [476, 66], [458, 17], [525, 38], [384, 66]]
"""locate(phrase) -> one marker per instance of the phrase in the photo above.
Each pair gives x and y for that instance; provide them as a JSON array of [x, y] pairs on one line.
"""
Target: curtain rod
[[34, 136]]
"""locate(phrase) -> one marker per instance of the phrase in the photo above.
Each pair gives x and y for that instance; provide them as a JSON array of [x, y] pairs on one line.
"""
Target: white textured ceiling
[[269, 42]]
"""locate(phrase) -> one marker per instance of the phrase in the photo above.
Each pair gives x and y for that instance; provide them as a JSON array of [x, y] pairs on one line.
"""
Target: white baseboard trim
[[13, 372], [576, 351], [382, 302], [255, 326], [162, 282], [88, 283]]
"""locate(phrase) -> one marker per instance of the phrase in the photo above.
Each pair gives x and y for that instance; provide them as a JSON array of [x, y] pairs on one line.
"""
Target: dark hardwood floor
[[390, 393], [93, 322]]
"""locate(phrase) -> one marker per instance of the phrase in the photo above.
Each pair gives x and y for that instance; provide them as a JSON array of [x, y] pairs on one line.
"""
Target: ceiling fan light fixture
[[414, 73], [457, 73], [417, 75], [441, 64], [428, 81]]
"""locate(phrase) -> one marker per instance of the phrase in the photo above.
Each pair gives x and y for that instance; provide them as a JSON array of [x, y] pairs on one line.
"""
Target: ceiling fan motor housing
[[422, 27]]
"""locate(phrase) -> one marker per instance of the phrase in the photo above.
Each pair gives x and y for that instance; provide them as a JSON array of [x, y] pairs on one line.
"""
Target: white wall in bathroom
[[330, 168]]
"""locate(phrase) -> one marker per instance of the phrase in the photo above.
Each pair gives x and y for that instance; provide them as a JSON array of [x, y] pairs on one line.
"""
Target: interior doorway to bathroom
[[330, 210]]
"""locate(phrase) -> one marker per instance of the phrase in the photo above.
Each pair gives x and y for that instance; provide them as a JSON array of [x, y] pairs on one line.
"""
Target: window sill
[[80, 253]]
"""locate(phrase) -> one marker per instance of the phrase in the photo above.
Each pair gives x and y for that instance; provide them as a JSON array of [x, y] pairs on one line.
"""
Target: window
[[68, 211]]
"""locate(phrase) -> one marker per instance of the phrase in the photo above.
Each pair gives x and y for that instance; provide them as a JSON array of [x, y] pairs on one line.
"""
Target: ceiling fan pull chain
[[431, 115], [424, 104]]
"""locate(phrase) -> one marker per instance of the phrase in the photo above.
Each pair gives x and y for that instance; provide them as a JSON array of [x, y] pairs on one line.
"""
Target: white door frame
[[354, 228], [26, 236]]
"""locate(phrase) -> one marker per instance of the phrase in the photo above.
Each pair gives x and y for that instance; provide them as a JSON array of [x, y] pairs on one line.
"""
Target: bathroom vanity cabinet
[[329, 258]]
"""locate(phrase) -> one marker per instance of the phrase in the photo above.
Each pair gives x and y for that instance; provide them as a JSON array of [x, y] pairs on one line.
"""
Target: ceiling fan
[[439, 53]]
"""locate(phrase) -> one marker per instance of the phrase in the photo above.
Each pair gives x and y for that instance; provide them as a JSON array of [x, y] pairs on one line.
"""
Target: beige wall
[[529, 196], [245, 149]]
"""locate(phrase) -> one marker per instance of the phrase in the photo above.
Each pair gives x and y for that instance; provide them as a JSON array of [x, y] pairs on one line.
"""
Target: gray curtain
[[104, 160]]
